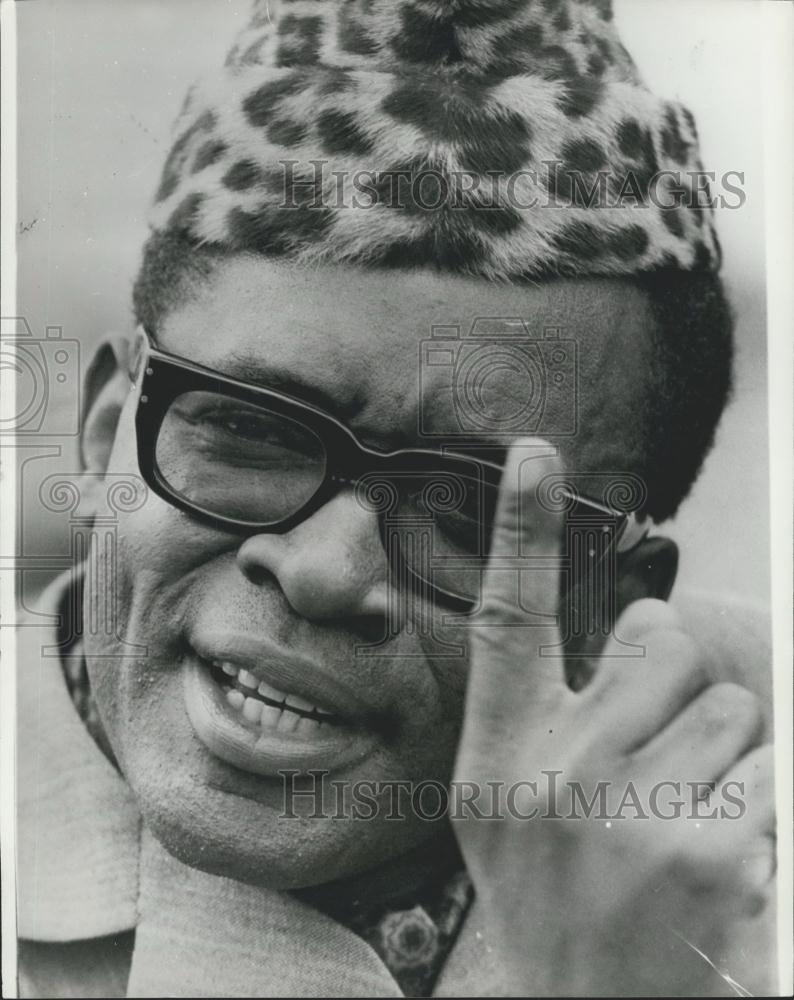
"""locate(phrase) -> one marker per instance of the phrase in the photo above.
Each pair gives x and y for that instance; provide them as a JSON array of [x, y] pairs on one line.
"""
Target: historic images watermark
[[312, 184], [66, 520], [498, 357], [46, 375], [312, 795]]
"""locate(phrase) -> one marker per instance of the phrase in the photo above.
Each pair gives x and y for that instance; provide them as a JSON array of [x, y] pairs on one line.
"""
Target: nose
[[332, 565]]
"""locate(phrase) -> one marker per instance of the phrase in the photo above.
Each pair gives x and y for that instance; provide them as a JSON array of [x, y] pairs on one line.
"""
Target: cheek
[[445, 649], [138, 574], [446, 656], [450, 675], [158, 545], [139, 567]]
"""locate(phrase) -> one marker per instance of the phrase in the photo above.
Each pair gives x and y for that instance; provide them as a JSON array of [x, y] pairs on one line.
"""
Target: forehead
[[389, 348]]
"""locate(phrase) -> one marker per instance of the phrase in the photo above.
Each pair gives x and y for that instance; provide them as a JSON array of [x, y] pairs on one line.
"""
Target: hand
[[586, 906]]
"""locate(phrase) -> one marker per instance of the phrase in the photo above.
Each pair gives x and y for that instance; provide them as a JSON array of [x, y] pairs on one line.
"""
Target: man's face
[[295, 606]]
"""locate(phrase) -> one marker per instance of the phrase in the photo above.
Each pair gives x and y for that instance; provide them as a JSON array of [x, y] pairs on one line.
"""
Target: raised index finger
[[511, 681]]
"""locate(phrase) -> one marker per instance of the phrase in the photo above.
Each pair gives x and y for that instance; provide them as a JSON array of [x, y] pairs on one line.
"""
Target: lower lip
[[226, 735]]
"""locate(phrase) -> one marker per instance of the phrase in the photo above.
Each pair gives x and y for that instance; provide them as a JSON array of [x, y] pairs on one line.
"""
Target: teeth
[[267, 691], [270, 716], [235, 698], [288, 722], [294, 701], [252, 709], [248, 680], [306, 727]]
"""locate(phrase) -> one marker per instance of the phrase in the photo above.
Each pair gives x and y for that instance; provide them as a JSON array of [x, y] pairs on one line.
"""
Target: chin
[[217, 817], [238, 836], [274, 853]]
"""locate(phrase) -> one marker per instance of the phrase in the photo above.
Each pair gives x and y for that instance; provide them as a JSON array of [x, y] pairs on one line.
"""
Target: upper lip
[[282, 669]]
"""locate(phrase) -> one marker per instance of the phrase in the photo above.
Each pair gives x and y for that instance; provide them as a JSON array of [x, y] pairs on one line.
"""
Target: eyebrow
[[245, 368], [251, 369]]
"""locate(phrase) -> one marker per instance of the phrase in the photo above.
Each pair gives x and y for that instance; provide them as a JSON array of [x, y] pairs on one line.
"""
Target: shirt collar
[[78, 825]]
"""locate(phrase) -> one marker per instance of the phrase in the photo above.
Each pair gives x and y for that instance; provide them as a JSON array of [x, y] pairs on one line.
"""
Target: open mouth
[[260, 704], [262, 708]]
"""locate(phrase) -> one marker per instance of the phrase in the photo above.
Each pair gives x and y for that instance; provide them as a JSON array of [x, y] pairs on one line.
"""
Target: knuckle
[[648, 615], [496, 609], [683, 659], [507, 533], [672, 650], [698, 669], [728, 704], [754, 903], [694, 866], [682, 864], [677, 647]]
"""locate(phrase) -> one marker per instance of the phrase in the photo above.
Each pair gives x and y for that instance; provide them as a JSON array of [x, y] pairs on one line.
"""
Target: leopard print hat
[[507, 138]]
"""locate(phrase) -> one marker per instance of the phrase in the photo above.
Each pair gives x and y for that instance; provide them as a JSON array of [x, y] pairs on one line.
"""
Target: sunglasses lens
[[237, 460]]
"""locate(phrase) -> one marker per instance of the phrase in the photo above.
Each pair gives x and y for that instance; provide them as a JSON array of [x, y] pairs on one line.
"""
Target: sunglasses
[[246, 459]]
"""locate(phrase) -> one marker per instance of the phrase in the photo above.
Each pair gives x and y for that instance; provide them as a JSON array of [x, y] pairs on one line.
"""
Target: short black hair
[[688, 381]]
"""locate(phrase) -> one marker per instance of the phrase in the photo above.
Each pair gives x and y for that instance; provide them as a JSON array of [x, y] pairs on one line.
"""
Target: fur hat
[[507, 138]]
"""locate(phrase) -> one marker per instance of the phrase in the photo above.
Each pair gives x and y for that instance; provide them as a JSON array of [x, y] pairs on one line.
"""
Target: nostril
[[256, 573], [258, 558], [373, 630], [330, 566]]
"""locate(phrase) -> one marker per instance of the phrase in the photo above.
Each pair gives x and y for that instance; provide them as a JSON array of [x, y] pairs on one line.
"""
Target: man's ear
[[107, 386], [648, 570]]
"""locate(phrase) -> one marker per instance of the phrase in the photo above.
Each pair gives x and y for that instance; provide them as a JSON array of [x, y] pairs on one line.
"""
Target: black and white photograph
[[396, 549]]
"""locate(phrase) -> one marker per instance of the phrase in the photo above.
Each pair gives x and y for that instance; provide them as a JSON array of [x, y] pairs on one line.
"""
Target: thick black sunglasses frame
[[161, 377]]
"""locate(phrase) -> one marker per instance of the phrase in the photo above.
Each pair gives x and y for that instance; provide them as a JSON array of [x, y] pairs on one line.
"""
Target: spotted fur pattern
[[310, 141]]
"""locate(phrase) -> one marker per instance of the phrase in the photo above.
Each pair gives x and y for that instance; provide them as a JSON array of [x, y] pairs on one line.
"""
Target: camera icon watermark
[[46, 376], [501, 380]]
